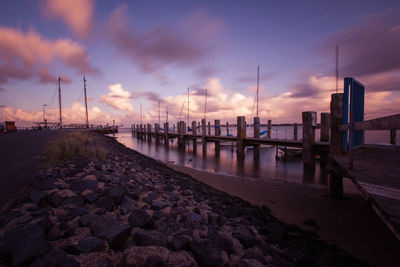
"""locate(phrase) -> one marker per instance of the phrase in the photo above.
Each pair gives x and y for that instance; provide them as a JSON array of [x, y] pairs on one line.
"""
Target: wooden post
[[217, 132], [173, 128], [269, 129], [336, 144], [393, 136], [141, 131], [241, 134], [149, 131], [309, 124], [157, 130], [194, 132], [351, 140], [227, 128], [324, 136], [256, 128], [209, 128], [203, 136], [295, 131], [166, 141]]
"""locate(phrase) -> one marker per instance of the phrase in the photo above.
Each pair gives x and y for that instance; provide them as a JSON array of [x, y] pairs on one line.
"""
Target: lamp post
[[45, 105]]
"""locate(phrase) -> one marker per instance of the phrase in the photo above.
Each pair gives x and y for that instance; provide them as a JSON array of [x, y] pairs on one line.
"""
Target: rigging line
[[183, 105]]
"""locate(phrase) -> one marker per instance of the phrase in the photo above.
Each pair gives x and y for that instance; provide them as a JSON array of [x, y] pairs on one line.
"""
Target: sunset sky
[[134, 52]]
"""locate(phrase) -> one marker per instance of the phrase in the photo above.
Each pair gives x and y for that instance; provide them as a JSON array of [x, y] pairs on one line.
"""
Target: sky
[[148, 53]]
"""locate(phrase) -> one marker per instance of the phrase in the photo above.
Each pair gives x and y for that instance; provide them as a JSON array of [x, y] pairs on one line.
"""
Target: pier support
[[209, 128], [269, 129], [256, 129], [295, 131], [336, 144], [325, 122], [309, 124], [149, 132], [203, 136], [181, 129], [157, 130], [217, 132], [241, 134], [166, 141], [194, 132], [393, 136]]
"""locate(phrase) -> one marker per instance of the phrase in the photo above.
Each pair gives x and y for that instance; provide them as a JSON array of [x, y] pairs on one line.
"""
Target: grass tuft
[[71, 146]]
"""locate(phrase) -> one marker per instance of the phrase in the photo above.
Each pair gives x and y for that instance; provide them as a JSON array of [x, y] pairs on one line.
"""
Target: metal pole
[[59, 100], [258, 82], [87, 115]]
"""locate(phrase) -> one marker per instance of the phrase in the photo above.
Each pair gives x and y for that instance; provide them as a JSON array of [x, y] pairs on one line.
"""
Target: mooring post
[[295, 131], [336, 144], [309, 124], [324, 136], [209, 128], [217, 132], [227, 128], [157, 130], [141, 131], [173, 128], [269, 129], [203, 136], [181, 127], [256, 128], [194, 132], [393, 136], [149, 131], [241, 134], [166, 141]]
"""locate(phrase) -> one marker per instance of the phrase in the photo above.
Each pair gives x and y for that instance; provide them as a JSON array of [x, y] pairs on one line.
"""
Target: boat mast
[[141, 114], [166, 117], [159, 112], [258, 82], [337, 67], [188, 110], [87, 115], [59, 99], [205, 104]]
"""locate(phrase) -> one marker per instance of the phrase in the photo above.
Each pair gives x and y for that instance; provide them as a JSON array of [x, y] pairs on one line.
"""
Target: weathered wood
[[393, 136], [336, 144], [217, 132], [194, 132], [209, 128], [351, 140], [166, 130], [324, 136], [157, 131], [149, 131], [269, 129], [295, 131], [309, 124], [241, 134], [227, 128], [181, 129], [256, 129], [384, 123]]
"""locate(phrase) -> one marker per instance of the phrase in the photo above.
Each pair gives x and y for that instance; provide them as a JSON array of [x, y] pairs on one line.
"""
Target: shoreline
[[338, 222]]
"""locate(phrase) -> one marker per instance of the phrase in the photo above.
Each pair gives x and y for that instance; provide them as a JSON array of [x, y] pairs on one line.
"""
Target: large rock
[[207, 255], [150, 238], [37, 196], [26, 243], [144, 256], [105, 202], [150, 197], [128, 205], [116, 193], [244, 235], [55, 258], [181, 242], [86, 245], [140, 218], [79, 185]]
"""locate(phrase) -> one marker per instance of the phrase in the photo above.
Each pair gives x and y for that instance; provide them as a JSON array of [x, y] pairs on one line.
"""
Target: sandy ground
[[348, 223]]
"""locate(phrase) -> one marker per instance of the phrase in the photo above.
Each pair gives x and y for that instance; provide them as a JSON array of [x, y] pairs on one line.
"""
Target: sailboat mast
[[188, 109], [166, 117], [141, 114], [87, 115], [59, 100], [159, 112], [258, 83], [337, 67], [205, 105]]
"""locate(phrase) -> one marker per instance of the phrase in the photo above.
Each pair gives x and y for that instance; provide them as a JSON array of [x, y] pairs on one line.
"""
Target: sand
[[348, 223]]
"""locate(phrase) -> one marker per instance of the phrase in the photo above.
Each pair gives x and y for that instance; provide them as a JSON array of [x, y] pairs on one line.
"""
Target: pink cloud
[[118, 98], [27, 55], [77, 14], [168, 44]]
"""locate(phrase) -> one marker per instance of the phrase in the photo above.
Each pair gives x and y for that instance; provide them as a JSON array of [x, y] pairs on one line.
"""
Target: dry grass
[[72, 146]]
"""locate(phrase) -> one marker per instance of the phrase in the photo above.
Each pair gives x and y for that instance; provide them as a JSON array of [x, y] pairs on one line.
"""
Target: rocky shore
[[131, 210]]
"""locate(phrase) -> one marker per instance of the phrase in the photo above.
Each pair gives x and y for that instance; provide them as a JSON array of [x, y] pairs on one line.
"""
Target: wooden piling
[[324, 136], [309, 124], [241, 134], [393, 136], [269, 129], [194, 132], [166, 141], [295, 131], [336, 144], [149, 131], [157, 130], [256, 129], [227, 128], [203, 136], [217, 132], [209, 128]]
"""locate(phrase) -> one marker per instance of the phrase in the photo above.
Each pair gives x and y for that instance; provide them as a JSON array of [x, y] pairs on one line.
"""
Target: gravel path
[[131, 210]]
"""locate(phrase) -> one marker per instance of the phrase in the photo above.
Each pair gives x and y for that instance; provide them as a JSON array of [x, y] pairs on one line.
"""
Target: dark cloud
[[2, 89], [370, 47], [189, 44], [148, 95], [2, 106], [303, 90]]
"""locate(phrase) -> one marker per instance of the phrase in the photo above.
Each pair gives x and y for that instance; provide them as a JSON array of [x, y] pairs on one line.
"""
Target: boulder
[[150, 238], [140, 218]]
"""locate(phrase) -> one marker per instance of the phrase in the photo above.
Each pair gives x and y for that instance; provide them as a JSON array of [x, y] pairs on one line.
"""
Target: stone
[[150, 197], [78, 211], [249, 263], [140, 218], [116, 193], [134, 194], [206, 255], [256, 254], [158, 214], [139, 256], [26, 243], [150, 238], [154, 261], [37, 196], [181, 242], [158, 204], [55, 258], [79, 185], [86, 245], [55, 199], [226, 242], [75, 200], [89, 195], [127, 205], [105, 202], [244, 236], [194, 217]]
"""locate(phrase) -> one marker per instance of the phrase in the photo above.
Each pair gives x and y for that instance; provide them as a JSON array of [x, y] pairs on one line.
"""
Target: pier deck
[[376, 173]]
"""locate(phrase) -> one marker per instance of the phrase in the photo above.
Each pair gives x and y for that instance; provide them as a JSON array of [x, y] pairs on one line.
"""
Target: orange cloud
[[77, 14], [118, 98], [26, 55]]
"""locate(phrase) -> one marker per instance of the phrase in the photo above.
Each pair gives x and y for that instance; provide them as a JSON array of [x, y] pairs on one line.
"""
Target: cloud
[[314, 87], [77, 14], [246, 77], [27, 55], [167, 45], [118, 98], [73, 114], [2, 89], [370, 47], [2, 106]]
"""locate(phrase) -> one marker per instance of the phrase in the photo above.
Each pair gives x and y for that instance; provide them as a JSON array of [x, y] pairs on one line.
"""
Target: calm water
[[268, 167]]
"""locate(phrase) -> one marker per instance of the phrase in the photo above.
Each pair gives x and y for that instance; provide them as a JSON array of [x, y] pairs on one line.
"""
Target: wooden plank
[[384, 123]]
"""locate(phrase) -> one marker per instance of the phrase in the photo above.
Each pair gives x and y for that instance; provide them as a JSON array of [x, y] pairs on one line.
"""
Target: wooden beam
[[383, 123]]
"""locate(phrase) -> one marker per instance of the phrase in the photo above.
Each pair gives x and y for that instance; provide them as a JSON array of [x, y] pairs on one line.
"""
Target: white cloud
[[118, 98]]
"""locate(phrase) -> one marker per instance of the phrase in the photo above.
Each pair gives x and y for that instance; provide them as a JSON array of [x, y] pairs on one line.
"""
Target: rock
[[78, 211], [249, 263], [89, 195], [79, 185], [106, 263], [55, 258], [127, 205], [226, 242], [116, 193], [37, 196], [169, 187], [26, 243], [87, 245], [158, 204], [206, 255], [181, 242], [312, 223], [150, 238], [158, 214], [244, 236], [150, 197], [105, 202], [55, 199], [75, 200], [256, 254], [140, 218], [154, 261], [139, 256], [134, 194], [194, 217]]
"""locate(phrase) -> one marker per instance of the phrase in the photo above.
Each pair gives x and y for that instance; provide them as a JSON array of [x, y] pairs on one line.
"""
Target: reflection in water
[[267, 167]]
